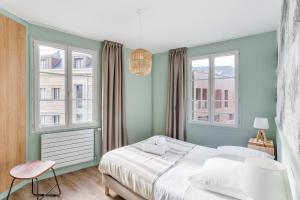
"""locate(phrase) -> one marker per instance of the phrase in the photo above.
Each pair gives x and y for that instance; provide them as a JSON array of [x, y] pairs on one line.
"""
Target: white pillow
[[221, 176], [230, 157], [243, 152]]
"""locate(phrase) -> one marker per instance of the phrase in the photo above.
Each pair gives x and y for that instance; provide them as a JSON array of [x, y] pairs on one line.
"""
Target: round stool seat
[[31, 169]]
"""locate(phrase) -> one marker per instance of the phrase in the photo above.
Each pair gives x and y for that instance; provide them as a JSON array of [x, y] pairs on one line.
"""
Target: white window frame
[[211, 87], [68, 88]]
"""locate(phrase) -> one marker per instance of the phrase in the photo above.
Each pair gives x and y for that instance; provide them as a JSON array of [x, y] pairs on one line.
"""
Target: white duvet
[[139, 170], [174, 184], [128, 165]]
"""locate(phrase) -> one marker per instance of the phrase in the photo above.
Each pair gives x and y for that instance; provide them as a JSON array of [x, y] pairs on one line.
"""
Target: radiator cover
[[68, 148]]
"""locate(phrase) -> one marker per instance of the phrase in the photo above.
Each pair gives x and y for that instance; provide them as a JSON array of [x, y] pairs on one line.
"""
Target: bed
[[137, 175]]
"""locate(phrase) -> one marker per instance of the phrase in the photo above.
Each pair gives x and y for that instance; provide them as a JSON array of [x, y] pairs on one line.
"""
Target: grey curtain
[[175, 122], [114, 132]]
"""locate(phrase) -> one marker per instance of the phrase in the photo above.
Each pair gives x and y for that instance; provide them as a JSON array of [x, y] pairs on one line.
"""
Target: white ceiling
[[166, 24]]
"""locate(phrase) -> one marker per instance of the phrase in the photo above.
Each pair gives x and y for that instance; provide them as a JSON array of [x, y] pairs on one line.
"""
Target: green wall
[[257, 70], [138, 103], [159, 91]]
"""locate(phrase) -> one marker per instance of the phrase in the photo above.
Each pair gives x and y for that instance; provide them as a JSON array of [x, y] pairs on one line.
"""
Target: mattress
[[170, 181]]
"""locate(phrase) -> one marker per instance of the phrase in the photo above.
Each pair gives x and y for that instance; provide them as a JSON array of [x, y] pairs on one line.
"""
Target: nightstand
[[268, 147]]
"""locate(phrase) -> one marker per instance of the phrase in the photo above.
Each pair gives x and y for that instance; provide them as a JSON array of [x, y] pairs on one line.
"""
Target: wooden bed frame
[[111, 183]]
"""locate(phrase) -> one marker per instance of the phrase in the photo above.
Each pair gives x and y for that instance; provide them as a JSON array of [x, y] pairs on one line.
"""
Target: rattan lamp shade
[[140, 62]]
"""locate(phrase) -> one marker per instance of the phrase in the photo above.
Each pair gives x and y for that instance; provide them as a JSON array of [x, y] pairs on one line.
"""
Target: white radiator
[[68, 148]]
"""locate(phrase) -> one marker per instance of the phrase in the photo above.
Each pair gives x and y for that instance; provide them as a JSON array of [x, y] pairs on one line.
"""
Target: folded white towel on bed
[[155, 148], [157, 140]]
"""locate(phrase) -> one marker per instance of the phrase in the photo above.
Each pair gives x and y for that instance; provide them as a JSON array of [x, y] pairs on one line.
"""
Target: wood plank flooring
[[80, 185]]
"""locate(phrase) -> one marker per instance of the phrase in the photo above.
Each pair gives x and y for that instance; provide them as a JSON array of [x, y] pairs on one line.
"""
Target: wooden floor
[[81, 185]]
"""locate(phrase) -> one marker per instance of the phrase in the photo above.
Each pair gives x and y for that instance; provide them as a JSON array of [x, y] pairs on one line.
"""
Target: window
[[43, 93], [213, 80], [52, 77], [47, 119], [198, 93], [42, 120], [200, 80], [78, 63], [55, 93], [78, 117], [78, 90], [204, 97], [226, 98], [45, 62], [82, 94], [55, 119], [198, 97], [71, 99], [218, 98]]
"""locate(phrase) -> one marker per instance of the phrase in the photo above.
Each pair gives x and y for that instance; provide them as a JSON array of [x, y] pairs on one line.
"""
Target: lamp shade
[[140, 62], [266, 179], [261, 123]]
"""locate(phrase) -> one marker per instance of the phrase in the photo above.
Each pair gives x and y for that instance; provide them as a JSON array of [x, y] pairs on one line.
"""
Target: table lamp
[[266, 179], [262, 124]]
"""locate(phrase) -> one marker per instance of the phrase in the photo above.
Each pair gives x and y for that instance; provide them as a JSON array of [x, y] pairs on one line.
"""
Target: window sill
[[58, 130], [213, 125]]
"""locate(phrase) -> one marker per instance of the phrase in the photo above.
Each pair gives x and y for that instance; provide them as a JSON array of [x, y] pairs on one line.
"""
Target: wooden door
[[12, 97]]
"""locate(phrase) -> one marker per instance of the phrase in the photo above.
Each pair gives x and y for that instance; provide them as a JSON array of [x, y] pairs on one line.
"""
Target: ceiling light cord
[[139, 12], [140, 62]]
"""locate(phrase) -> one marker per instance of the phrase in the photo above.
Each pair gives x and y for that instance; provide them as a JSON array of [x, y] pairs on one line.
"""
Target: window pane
[[52, 86], [43, 93], [82, 87], [200, 84], [218, 98], [200, 116], [224, 102]]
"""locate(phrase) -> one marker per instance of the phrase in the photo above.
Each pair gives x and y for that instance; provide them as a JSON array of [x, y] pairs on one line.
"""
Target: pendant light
[[140, 62]]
